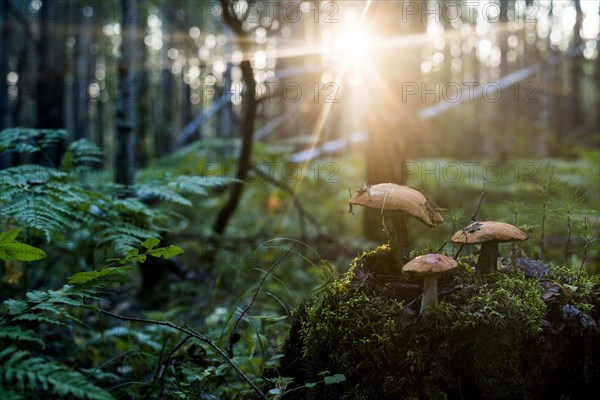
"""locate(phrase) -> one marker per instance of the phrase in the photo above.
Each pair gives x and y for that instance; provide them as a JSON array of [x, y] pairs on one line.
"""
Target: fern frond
[[19, 369], [20, 334], [9, 394], [25, 140], [85, 153], [162, 192]]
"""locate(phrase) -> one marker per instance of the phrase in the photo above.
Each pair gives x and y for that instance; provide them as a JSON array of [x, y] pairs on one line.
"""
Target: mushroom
[[430, 266], [395, 202], [489, 234]]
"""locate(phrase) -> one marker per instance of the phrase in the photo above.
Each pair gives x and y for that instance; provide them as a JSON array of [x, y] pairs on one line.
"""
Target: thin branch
[[301, 210], [230, 340], [474, 217], [168, 362], [191, 332]]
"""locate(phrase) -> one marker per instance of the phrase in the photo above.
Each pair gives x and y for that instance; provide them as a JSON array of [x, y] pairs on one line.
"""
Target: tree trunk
[[50, 80], [574, 116], [143, 151], [127, 96], [391, 123], [80, 88], [164, 137], [4, 38], [247, 127], [502, 133], [51, 73]]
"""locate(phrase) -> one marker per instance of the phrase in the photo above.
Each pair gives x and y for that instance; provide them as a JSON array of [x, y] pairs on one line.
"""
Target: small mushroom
[[430, 266], [489, 234], [395, 202]]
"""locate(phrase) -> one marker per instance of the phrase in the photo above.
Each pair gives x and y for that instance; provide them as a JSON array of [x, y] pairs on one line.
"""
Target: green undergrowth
[[499, 337]]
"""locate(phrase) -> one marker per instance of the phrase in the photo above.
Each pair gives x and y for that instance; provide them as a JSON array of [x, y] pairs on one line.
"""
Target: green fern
[[19, 334], [23, 375], [38, 377], [80, 156], [50, 201], [25, 140]]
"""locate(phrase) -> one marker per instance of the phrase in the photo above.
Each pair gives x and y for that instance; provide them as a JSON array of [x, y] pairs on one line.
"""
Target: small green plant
[[13, 250], [25, 371]]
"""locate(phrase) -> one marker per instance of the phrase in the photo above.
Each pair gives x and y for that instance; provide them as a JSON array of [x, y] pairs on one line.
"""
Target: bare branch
[[196, 335], [230, 340]]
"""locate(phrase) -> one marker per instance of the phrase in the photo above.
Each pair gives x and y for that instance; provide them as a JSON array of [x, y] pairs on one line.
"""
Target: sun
[[347, 45], [353, 46]]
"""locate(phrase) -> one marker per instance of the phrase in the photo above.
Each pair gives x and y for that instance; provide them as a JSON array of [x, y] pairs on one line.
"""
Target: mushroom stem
[[488, 256], [394, 224], [430, 293]]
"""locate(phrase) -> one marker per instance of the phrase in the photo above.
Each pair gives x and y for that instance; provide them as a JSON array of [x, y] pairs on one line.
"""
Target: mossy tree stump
[[501, 337]]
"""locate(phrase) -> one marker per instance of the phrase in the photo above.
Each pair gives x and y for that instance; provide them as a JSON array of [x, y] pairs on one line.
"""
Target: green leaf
[[150, 243], [20, 252], [165, 252], [310, 385], [86, 277], [9, 236], [337, 378]]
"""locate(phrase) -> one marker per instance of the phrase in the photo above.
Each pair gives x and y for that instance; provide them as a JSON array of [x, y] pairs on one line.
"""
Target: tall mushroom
[[489, 234], [430, 266], [395, 202]]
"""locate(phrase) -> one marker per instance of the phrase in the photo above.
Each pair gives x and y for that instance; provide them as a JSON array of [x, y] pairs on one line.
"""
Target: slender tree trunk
[[164, 137], [389, 131], [82, 67], [502, 135], [545, 113], [51, 73], [247, 128], [4, 38], [127, 96], [143, 151], [226, 113], [574, 106], [51, 80]]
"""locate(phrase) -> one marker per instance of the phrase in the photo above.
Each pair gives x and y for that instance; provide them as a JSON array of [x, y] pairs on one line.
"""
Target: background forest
[[175, 175]]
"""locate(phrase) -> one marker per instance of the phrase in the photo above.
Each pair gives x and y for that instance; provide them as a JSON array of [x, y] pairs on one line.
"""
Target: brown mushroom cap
[[391, 196], [488, 231], [430, 263]]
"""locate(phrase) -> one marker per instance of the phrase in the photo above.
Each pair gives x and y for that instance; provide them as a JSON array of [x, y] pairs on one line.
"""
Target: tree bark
[[392, 122], [4, 38], [164, 137], [51, 73], [247, 128], [574, 106], [82, 68], [127, 96]]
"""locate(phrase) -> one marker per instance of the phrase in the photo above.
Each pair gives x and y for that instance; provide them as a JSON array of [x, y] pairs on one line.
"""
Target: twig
[[474, 217], [191, 332], [163, 371], [568, 244], [542, 229], [442, 246], [230, 340]]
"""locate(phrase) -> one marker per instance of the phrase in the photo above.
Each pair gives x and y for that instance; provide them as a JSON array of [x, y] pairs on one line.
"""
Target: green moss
[[577, 287], [487, 338], [502, 301]]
